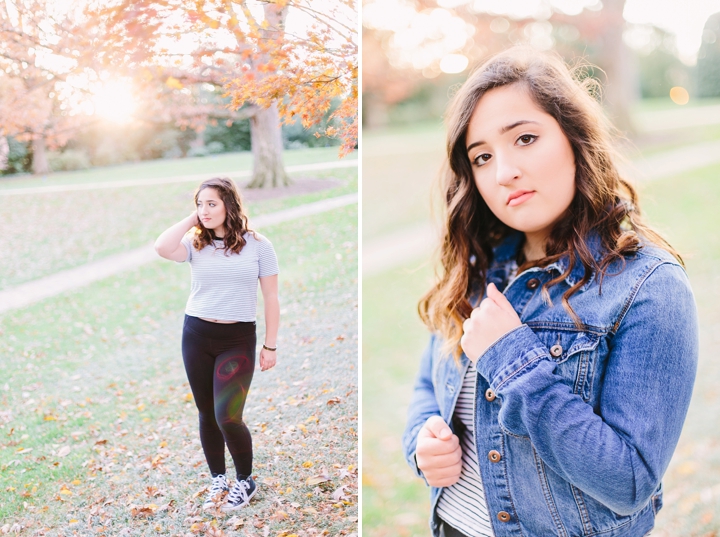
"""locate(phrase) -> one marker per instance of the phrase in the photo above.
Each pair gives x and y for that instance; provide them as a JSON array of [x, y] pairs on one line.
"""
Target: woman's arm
[[269, 288], [168, 244], [618, 454], [423, 405]]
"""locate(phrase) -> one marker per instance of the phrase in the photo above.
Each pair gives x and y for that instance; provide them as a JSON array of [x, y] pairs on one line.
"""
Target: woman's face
[[211, 209], [522, 162]]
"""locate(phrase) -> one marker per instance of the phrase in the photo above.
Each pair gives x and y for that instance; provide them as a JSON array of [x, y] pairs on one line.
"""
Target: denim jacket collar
[[506, 252]]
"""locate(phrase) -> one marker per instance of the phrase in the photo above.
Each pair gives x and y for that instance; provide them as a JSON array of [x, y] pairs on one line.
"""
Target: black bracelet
[[269, 348]]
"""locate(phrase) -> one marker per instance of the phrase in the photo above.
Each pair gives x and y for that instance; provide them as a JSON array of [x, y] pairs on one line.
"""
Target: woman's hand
[[494, 318], [438, 453], [193, 219], [267, 359]]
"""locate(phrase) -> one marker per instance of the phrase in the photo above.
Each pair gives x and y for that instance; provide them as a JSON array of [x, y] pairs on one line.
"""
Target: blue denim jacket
[[585, 421]]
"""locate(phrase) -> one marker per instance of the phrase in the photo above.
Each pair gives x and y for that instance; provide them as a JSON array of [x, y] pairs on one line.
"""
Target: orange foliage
[[250, 54]]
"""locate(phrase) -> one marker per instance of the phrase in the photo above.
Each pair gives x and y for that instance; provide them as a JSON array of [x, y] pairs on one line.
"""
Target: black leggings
[[219, 362]]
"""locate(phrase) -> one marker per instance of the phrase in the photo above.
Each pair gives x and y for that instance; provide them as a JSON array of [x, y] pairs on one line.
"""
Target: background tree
[[264, 72], [708, 64], [424, 43], [40, 46]]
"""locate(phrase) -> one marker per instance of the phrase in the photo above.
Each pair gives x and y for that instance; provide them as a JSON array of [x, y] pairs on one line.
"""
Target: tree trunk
[[265, 131], [622, 86], [39, 163], [4, 152], [266, 141]]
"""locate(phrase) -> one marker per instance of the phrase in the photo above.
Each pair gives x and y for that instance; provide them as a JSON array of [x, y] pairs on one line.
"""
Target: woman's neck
[[534, 247]]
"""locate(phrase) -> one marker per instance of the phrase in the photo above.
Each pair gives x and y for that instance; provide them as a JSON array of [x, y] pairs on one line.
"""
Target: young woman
[[218, 343], [564, 348]]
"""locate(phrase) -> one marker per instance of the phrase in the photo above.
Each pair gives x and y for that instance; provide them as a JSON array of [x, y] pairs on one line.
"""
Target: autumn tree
[[593, 33], [247, 55], [39, 48]]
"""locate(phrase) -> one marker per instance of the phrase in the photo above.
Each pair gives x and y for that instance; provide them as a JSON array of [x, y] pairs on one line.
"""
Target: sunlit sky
[[685, 19], [114, 99]]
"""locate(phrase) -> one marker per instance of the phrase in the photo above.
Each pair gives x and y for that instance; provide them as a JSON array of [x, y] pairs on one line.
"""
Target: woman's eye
[[481, 159], [527, 139]]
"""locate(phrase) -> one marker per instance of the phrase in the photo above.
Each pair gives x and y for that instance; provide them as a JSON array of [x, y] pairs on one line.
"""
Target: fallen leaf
[[334, 401], [339, 494], [317, 479], [143, 510], [307, 464], [64, 451], [235, 522], [309, 510], [281, 515]]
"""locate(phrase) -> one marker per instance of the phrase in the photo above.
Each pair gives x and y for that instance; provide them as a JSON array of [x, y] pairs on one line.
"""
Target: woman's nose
[[506, 170]]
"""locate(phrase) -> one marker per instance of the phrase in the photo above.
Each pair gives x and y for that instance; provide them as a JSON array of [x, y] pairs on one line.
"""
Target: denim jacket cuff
[[411, 460], [511, 355]]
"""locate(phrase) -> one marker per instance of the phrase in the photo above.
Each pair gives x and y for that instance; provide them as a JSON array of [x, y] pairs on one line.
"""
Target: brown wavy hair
[[236, 221], [604, 202]]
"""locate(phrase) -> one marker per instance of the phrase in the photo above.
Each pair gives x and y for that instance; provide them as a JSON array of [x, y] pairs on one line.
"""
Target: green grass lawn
[[45, 233], [98, 427], [151, 169], [684, 208]]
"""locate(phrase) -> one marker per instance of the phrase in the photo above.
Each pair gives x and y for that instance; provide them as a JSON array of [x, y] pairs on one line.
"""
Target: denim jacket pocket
[[574, 353]]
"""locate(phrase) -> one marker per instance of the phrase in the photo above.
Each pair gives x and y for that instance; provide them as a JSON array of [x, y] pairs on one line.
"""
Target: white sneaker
[[215, 494], [240, 494]]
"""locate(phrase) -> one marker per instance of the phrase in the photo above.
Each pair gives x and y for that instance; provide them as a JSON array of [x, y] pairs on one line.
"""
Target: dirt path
[[170, 180], [42, 288]]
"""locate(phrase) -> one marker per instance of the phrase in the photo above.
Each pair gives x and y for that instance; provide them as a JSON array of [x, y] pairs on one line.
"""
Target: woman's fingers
[[499, 299], [436, 427]]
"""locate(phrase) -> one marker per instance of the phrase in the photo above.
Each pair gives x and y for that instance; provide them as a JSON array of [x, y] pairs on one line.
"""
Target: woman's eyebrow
[[503, 130], [516, 124]]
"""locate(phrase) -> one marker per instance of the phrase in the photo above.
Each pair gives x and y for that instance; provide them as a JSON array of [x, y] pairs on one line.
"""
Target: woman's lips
[[516, 198]]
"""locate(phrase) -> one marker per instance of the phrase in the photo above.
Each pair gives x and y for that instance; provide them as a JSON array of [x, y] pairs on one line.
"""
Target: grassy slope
[[99, 430], [150, 169], [50, 232]]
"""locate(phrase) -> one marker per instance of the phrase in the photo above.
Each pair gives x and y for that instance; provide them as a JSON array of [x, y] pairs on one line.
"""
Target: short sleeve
[[267, 260], [187, 242]]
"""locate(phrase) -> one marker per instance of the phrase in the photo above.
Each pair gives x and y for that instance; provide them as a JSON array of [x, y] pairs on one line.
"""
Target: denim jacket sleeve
[[423, 405], [616, 453]]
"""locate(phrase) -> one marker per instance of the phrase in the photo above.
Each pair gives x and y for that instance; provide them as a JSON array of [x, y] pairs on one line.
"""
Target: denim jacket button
[[489, 395], [503, 516], [494, 456], [556, 350], [533, 283]]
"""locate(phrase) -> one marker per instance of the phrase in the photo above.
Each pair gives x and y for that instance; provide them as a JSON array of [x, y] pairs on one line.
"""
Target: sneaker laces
[[219, 484], [239, 492]]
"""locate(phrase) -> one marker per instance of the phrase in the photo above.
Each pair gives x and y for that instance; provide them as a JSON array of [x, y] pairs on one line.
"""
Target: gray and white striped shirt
[[463, 505], [224, 284]]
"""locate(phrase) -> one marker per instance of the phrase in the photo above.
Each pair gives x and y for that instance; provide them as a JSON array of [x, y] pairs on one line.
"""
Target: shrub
[[68, 160]]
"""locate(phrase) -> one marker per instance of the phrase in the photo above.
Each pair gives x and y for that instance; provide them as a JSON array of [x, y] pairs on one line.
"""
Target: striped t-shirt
[[463, 505], [224, 284]]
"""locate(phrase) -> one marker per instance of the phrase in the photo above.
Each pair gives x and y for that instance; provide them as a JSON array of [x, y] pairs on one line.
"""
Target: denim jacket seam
[[549, 500], [512, 502], [582, 509], [634, 292], [526, 366]]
